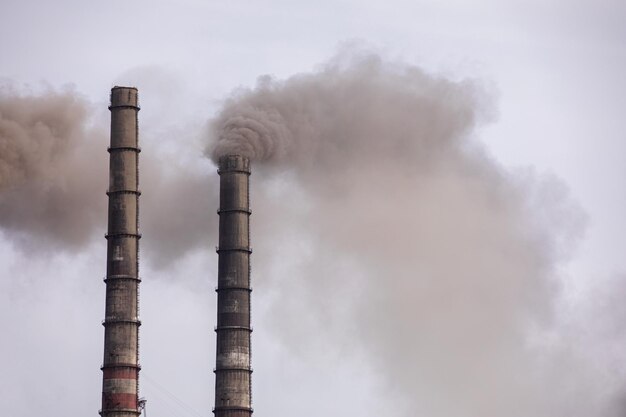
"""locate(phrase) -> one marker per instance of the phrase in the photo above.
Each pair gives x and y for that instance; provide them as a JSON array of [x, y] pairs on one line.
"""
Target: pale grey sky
[[555, 71]]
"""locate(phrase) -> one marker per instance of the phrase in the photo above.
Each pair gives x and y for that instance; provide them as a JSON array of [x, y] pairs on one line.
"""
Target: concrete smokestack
[[121, 324], [233, 394]]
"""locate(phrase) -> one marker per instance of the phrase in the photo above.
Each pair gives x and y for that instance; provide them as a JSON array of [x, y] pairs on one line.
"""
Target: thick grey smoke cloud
[[385, 230], [47, 174]]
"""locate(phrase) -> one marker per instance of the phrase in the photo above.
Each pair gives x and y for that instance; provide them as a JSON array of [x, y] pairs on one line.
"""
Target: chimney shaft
[[233, 397], [121, 324]]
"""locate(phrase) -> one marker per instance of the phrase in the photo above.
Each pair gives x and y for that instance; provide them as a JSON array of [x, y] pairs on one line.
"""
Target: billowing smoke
[[47, 175], [384, 228], [346, 115]]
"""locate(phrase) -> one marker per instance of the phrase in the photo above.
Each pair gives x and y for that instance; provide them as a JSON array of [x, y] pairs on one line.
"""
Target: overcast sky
[[554, 72]]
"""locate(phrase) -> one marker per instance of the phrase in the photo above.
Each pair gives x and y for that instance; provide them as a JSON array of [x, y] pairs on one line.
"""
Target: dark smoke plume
[[384, 226], [366, 111]]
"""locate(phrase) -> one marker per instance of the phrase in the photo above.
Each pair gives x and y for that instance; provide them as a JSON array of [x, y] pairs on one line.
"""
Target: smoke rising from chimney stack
[[357, 108], [412, 246], [416, 248]]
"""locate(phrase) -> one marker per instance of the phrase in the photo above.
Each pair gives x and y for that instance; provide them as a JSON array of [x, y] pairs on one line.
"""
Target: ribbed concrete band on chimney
[[233, 396], [121, 324]]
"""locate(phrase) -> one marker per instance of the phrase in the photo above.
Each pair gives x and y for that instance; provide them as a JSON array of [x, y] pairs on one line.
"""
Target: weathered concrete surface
[[121, 324], [232, 372]]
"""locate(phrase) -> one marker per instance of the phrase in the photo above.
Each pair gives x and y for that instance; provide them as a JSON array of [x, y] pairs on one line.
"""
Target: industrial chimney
[[233, 394], [121, 324]]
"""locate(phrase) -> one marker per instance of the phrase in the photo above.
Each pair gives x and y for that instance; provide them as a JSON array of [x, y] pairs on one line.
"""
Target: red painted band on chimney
[[120, 373]]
